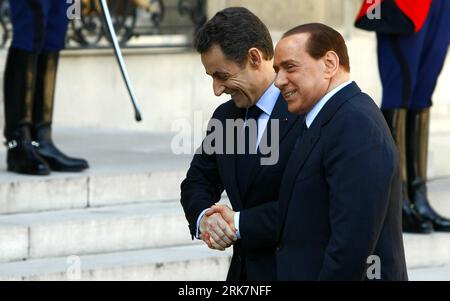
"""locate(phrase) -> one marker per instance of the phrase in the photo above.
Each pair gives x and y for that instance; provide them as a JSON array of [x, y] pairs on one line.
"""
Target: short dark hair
[[321, 40], [235, 30]]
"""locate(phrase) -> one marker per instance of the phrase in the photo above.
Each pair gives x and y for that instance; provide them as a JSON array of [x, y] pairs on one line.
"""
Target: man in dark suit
[[237, 52], [340, 197]]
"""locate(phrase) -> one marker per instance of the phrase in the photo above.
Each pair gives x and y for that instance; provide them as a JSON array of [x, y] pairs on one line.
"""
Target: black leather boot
[[42, 117], [52, 155], [22, 157], [417, 154], [19, 83], [411, 220]]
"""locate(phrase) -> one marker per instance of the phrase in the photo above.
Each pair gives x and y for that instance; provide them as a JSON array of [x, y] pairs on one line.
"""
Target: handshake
[[217, 227]]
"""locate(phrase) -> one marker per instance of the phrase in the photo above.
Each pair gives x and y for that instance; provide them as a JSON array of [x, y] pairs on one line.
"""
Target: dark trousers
[[39, 25], [410, 65]]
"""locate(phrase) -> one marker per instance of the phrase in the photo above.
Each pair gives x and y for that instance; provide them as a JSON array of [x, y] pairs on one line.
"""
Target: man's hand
[[216, 231], [226, 212]]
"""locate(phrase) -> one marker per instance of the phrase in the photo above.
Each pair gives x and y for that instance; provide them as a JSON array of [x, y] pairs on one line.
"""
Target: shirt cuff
[[236, 224], [197, 233]]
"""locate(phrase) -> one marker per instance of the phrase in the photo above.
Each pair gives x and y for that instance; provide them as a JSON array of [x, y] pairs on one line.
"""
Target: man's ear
[[254, 57], [331, 61]]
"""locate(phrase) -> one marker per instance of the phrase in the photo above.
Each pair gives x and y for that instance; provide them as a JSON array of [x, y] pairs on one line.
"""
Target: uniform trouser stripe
[[406, 77], [39, 20]]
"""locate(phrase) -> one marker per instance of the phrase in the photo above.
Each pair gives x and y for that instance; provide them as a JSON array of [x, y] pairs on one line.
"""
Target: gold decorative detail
[[423, 132], [400, 134], [49, 87], [30, 83]]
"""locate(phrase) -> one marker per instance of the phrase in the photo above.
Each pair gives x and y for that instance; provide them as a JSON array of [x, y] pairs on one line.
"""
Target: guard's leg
[[437, 38], [19, 83], [412, 221], [398, 62], [433, 55], [43, 116], [417, 154], [29, 21], [56, 28]]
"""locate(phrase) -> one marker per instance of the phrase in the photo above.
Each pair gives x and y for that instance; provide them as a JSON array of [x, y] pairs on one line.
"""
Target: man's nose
[[218, 88], [280, 80]]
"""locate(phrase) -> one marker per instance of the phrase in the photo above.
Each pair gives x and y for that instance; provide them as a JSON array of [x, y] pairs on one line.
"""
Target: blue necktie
[[244, 161], [300, 136]]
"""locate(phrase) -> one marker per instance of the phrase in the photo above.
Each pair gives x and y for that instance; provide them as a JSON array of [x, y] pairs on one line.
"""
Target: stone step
[[141, 226], [194, 263], [441, 273], [92, 231], [21, 194], [124, 167], [427, 250]]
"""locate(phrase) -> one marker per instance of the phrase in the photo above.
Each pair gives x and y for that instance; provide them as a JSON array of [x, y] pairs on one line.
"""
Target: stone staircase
[[122, 219]]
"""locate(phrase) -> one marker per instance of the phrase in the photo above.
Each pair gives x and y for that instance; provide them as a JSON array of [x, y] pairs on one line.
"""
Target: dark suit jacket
[[209, 175], [340, 197]]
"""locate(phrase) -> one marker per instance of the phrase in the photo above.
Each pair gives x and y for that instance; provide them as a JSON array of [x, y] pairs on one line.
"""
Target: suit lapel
[[302, 152]]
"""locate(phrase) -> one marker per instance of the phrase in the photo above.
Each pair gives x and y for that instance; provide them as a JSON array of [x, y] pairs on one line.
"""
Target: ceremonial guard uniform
[[413, 37], [39, 28]]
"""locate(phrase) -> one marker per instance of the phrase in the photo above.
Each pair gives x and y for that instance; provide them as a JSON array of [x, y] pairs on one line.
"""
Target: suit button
[[279, 248]]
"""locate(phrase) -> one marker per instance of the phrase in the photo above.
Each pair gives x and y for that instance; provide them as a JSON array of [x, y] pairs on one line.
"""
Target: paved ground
[[114, 151], [430, 274]]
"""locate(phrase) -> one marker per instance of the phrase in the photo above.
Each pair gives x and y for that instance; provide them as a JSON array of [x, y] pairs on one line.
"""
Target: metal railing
[[131, 18]]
